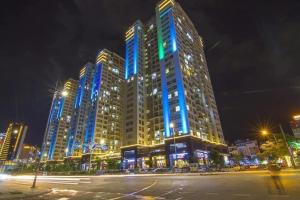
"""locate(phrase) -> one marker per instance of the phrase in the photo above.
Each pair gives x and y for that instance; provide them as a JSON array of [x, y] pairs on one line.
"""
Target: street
[[241, 185]]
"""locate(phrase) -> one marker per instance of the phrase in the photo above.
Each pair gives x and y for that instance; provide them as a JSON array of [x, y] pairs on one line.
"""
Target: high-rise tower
[[105, 114], [80, 114], [13, 141], [187, 95], [59, 122], [135, 115], [182, 120]]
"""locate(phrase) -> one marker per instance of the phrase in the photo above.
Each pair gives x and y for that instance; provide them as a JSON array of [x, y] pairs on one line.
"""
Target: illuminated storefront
[[177, 153]]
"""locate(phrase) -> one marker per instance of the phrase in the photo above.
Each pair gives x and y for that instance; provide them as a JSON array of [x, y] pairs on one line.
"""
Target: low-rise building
[[295, 125], [245, 147]]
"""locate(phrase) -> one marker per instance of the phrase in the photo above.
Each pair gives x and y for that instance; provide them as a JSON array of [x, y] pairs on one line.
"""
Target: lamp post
[[265, 132], [174, 142], [287, 146]]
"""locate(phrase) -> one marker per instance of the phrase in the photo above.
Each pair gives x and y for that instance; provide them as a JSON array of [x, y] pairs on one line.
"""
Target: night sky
[[252, 50]]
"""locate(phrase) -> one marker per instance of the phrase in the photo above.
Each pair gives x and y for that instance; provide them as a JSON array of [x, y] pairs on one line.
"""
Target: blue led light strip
[[90, 124], [164, 87], [126, 59], [179, 79], [135, 52]]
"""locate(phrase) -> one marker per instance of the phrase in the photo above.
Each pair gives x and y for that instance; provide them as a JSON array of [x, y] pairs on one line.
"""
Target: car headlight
[[3, 176]]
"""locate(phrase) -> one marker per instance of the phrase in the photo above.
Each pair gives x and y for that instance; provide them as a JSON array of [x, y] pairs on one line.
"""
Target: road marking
[[212, 193], [242, 195], [169, 192], [280, 195], [64, 183], [133, 193], [64, 198], [85, 182]]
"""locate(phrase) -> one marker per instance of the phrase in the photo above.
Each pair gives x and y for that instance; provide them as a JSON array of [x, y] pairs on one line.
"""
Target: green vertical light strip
[[161, 53]]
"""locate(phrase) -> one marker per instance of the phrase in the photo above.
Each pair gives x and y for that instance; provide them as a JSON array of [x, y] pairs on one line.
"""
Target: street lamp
[[173, 133], [265, 132], [64, 93]]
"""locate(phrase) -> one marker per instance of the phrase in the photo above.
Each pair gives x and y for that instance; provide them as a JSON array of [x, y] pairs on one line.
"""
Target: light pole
[[287, 146], [174, 142], [265, 132]]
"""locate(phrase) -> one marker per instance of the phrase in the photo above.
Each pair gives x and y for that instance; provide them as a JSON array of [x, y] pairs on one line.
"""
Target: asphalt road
[[250, 185]]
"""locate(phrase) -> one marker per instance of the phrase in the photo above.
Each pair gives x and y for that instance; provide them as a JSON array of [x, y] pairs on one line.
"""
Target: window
[[154, 91], [153, 76], [177, 108], [190, 37]]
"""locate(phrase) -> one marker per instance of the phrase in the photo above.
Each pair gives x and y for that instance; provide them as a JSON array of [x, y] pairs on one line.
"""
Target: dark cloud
[[252, 49]]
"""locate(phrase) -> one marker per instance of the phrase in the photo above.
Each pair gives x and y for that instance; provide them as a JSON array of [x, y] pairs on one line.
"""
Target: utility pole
[[174, 142], [287, 146], [44, 142]]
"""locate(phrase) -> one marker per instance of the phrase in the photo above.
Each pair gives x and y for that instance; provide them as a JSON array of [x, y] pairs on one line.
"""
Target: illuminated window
[[176, 93], [190, 37], [153, 76], [165, 44], [115, 70], [154, 91], [169, 96], [177, 108]]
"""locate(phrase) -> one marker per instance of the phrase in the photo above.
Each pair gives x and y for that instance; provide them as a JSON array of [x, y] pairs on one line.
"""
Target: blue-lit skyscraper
[[187, 95], [181, 117], [59, 122], [80, 114], [135, 115], [105, 114]]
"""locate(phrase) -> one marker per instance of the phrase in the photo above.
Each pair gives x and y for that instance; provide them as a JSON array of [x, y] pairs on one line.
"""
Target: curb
[[25, 196]]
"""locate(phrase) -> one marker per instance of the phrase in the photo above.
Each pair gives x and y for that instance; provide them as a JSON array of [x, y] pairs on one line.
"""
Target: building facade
[[180, 104], [103, 132], [295, 125], [2, 137], [59, 122], [135, 115], [28, 153], [80, 112], [155, 108], [246, 148], [13, 141]]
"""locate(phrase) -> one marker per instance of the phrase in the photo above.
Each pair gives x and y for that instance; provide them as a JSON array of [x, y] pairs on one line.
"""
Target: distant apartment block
[[13, 141]]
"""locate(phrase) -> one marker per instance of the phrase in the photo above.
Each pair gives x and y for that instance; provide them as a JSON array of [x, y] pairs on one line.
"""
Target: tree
[[113, 164], [271, 150], [237, 158], [216, 159]]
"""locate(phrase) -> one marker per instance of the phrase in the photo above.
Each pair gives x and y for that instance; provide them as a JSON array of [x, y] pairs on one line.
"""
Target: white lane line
[[133, 193], [85, 182], [169, 192], [212, 193], [64, 198], [64, 183], [242, 195], [278, 195]]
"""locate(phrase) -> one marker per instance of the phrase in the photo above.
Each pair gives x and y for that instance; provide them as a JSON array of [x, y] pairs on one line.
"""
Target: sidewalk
[[9, 190]]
